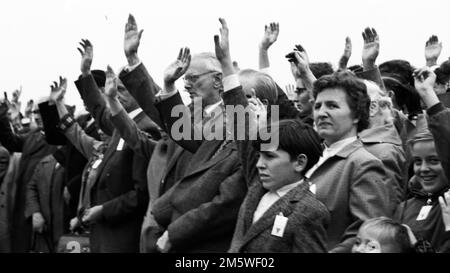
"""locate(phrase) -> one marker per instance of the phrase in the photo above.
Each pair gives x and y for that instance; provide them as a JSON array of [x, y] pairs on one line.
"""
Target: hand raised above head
[[271, 33], [222, 49], [347, 54], [132, 37], [87, 55], [111, 83], [177, 69], [433, 49], [371, 47], [58, 90]]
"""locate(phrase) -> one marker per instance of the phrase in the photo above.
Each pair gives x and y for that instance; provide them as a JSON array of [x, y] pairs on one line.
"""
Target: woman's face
[[427, 166], [333, 116]]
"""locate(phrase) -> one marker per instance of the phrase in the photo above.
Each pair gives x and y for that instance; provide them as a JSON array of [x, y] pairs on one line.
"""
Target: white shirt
[[328, 153], [134, 113], [270, 198]]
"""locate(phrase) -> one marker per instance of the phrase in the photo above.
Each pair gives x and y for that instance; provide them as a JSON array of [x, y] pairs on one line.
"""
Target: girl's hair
[[391, 233]]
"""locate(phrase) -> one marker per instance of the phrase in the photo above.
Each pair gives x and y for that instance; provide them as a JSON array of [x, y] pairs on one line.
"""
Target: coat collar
[[381, 134], [349, 149]]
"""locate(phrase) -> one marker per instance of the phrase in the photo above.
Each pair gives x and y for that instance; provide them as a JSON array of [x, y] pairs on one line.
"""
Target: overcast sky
[[39, 38]]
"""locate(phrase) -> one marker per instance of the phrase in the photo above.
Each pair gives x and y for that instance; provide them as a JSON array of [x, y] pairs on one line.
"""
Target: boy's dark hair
[[295, 138], [357, 98]]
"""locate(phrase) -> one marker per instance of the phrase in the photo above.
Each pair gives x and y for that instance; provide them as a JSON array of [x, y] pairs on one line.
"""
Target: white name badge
[[279, 225], [120, 145], [96, 163], [423, 214]]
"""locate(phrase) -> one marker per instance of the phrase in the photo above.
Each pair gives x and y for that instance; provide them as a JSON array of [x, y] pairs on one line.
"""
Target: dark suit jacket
[[45, 195], [195, 222], [352, 184], [121, 183]]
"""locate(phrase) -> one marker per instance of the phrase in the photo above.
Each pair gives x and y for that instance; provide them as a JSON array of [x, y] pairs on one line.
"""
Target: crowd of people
[[357, 158]]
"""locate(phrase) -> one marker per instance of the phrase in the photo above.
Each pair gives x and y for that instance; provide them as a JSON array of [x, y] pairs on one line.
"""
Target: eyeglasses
[[194, 78]]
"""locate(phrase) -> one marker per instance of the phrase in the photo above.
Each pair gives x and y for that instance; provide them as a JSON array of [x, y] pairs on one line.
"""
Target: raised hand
[[58, 90], [16, 95], [445, 209], [424, 80], [347, 54], [131, 40], [87, 55], [222, 48], [111, 83], [177, 69], [270, 35], [433, 50], [29, 108], [371, 48], [290, 91]]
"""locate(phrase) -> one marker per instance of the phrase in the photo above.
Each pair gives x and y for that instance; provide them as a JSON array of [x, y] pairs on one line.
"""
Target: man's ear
[[218, 81], [300, 163], [374, 108]]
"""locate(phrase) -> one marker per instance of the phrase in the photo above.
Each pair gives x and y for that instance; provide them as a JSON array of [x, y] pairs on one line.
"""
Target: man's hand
[[74, 224], [222, 48], [16, 95], [270, 35], [347, 54], [92, 214], [58, 90], [445, 209], [163, 244], [111, 83], [424, 80], [290, 92], [131, 40], [432, 50], [371, 48], [38, 222], [87, 55], [177, 69]]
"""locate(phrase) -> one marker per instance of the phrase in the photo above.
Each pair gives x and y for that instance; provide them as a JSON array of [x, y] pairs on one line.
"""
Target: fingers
[[348, 43], [223, 23], [131, 24], [109, 72]]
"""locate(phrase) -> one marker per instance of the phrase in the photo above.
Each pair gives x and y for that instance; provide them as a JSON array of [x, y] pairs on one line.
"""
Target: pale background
[[39, 38]]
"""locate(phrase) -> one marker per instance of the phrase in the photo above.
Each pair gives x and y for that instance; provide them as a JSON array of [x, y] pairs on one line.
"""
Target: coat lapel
[[202, 159], [284, 205]]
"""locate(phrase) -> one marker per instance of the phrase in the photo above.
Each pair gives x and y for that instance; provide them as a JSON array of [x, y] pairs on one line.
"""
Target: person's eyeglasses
[[35, 112], [194, 78]]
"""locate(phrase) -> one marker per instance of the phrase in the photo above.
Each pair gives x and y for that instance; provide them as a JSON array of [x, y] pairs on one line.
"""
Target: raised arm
[[89, 91], [270, 36], [135, 76], [299, 62], [84, 143], [370, 52], [343, 61], [138, 140]]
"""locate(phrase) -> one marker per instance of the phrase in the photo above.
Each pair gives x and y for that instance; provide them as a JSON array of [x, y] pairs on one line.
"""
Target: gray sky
[[39, 38]]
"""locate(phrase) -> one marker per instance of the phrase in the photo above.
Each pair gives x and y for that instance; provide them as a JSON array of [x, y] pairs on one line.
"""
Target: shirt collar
[[287, 188], [134, 113], [210, 108]]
